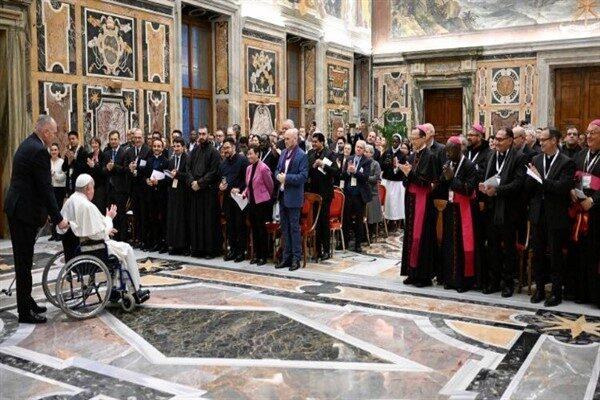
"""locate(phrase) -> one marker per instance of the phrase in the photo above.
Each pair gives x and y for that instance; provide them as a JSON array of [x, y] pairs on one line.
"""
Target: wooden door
[[443, 109], [576, 97]]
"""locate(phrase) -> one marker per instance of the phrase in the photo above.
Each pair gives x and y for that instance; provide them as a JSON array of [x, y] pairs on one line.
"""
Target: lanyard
[[265, 156], [177, 158], [460, 163], [546, 173], [475, 157], [500, 167], [587, 165]]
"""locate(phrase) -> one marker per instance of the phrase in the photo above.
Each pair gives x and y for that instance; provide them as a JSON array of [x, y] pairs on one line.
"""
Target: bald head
[[290, 138]]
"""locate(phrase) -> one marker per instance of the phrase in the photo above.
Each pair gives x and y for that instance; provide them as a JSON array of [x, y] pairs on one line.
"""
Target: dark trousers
[[323, 234], [290, 233], [22, 237], [503, 254], [260, 214], [552, 242], [120, 221], [237, 234], [138, 206], [155, 218], [59, 194], [354, 214]]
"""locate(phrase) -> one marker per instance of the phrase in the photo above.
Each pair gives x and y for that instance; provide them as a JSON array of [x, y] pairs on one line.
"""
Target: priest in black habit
[[587, 177], [459, 181], [178, 237], [420, 176], [202, 173]]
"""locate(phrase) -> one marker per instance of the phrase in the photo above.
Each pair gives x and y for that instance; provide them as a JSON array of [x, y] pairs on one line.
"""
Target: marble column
[[320, 83], [235, 69], [176, 117]]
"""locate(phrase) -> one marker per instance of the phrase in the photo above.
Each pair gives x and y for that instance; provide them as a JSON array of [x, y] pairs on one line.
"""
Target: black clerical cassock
[[178, 238], [203, 170], [459, 240], [155, 199], [419, 234]]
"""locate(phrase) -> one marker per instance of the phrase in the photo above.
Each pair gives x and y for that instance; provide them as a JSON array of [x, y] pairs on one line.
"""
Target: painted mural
[[59, 100], [262, 118], [110, 44], [410, 18], [338, 84], [157, 111], [262, 71]]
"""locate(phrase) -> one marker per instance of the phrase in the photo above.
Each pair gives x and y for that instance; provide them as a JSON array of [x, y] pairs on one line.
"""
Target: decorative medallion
[[566, 327], [109, 41], [262, 71], [338, 84], [505, 85]]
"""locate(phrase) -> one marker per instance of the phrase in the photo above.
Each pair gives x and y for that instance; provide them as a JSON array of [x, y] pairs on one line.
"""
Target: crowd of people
[[465, 207]]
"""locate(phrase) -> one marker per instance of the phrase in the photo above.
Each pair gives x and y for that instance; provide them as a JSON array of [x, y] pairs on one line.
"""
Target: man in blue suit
[[292, 173], [29, 202]]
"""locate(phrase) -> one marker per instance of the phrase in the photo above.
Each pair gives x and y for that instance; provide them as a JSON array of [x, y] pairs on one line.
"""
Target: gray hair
[[289, 123], [370, 148], [43, 121]]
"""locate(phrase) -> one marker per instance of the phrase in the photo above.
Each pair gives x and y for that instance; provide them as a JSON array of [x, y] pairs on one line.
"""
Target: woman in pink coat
[[259, 192]]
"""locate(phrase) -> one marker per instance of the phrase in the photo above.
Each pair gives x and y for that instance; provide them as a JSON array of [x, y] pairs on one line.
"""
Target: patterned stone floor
[[345, 329]]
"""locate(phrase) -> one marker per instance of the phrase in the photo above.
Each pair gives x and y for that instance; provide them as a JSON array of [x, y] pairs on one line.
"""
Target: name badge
[[451, 196], [586, 181], [175, 183], [353, 181], [142, 163], [342, 183]]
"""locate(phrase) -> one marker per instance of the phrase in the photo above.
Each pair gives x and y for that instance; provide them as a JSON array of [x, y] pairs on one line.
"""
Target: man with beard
[[202, 173], [459, 181], [115, 169], [571, 146], [478, 151], [178, 238], [392, 180], [322, 171], [372, 140], [233, 170], [135, 160], [420, 176], [503, 186]]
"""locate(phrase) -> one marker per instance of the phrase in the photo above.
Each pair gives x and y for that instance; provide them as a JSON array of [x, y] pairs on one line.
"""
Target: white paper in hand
[[157, 175], [494, 181], [533, 175]]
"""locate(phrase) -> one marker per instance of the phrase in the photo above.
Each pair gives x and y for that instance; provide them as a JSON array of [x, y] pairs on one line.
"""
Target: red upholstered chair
[[274, 231], [336, 215], [308, 222]]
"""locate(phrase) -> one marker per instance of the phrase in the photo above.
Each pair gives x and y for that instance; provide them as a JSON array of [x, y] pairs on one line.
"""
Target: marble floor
[[344, 329]]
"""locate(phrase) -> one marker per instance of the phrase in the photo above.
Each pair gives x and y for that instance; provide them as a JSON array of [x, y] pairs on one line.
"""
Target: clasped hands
[[488, 190], [281, 177]]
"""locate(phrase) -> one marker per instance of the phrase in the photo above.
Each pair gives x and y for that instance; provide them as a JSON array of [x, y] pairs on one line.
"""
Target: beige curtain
[[15, 121]]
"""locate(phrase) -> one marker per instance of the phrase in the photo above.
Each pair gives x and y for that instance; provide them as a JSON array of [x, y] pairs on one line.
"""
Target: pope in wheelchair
[[87, 223]]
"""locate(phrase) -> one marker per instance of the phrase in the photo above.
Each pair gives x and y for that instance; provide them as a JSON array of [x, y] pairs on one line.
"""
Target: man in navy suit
[[30, 199], [292, 173]]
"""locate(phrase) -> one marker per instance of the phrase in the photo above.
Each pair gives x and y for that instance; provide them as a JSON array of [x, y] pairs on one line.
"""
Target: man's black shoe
[[326, 256], [229, 256], [38, 309], [283, 264], [552, 301], [423, 283], [508, 291], [409, 280], [261, 261], [538, 297], [239, 258], [209, 256], [254, 261], [490, 289], [295, 265], [163, 250], [358, 249], [32, 318]]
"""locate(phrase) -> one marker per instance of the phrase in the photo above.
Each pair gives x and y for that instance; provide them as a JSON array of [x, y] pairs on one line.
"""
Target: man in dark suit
[[292, 173], [75, 160], [136, 160], [115, 170], [503, 185], [570, 147], [372, 139], [30, 199], [548, 213], [322, 171], [355, 174]]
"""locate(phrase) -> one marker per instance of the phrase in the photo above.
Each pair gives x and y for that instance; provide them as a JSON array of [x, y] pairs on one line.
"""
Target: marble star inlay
[[149, 265], [577, 327]]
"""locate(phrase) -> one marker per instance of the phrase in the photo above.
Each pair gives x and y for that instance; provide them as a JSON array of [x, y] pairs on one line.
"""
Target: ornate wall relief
[[337, 118], [505, 92], [392, 88], [156, 115], [262, 118], [338, 84], [109, 43], [155, 46], [56, 36], [107, 111], [59, 100], [222, 111], [262, 71], [395, 89], [310, 72], [222, 57]]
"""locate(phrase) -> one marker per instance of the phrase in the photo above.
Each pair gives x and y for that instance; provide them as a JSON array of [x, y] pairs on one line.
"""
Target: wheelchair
[[83, 279]]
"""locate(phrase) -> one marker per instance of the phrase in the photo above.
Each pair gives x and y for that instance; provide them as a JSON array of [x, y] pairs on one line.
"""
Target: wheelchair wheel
[[83, 287], [127, 302], [51, 271]]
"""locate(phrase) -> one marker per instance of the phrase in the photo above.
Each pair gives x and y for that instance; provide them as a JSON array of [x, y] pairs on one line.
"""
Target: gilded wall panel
[[222, 57], [392, 94], [59, 100], [310, 72], [338, 84], [55, 36], [337, 117], [155, 46], [157, 111]]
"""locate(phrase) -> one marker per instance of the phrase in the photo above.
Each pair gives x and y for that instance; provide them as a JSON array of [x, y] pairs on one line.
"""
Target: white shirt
[[59, 178]]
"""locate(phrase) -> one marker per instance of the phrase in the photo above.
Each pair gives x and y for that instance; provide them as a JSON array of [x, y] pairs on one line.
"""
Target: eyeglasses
[[542, 139], [501, 139]]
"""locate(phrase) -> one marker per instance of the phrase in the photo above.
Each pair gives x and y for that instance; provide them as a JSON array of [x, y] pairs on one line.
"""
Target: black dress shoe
[[409, 280], [229, 256], [295, 266], [261, 261], [283, 264], [141, 296], [163, 250], [423, 283], [358, 249], [463, 289], [209, 256], [254, 261], [538, 297], [326, 256], [507, 291], [490, 289], [239, 258], [32, 318], [38, 309], [553, 301]]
